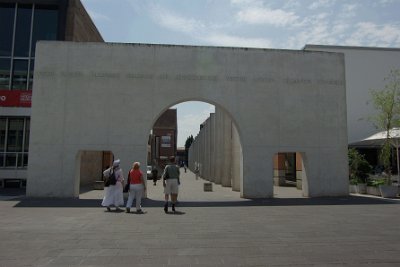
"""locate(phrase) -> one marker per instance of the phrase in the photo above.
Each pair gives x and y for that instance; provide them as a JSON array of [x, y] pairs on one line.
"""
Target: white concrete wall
[[99, 96], [366, 68]]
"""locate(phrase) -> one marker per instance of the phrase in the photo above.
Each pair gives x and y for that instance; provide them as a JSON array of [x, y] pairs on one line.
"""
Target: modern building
[[22, 24], [366, 69]]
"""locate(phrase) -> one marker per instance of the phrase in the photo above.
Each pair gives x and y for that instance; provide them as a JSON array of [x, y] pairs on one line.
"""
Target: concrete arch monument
[[105, 96]]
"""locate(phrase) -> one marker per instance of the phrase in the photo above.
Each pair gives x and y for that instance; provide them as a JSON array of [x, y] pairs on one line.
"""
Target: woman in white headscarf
[[113, 194]]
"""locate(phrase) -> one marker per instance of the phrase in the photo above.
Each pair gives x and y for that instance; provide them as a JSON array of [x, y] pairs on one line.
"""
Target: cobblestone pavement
[[211, 229]]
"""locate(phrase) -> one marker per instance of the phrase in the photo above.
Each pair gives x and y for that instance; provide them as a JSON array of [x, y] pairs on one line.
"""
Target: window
[[20, 74], [14, 142], [5, 64], [45, 25], [23, 31], [165, 141], [32, 23], [7, 12]]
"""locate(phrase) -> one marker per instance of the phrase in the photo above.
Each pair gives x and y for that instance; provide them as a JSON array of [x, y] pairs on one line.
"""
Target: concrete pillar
[[227, 136], [236, 159], [212, 147], [201, 153], [207, 149], [218, 145], [257, 179]]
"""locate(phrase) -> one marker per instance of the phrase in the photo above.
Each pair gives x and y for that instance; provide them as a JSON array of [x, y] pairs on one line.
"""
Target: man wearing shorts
[[171, 183]]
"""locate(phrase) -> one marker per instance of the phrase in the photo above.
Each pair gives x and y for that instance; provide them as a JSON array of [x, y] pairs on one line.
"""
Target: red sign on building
[[16, 98]]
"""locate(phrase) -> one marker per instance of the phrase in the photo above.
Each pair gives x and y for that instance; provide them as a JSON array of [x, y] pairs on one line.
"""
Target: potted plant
[[387, 104], [373, 186], [359, 168]]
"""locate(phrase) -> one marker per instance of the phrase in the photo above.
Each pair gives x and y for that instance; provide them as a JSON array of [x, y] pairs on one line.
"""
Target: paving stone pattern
[[212, 229]]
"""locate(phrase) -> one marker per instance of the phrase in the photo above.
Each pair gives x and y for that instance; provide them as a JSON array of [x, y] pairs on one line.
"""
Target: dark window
[[45, 24], [15, 135], [31, 70], [2, 134], [7, 12], [20, 75], [27, 133], [4, 73], [23, 30]]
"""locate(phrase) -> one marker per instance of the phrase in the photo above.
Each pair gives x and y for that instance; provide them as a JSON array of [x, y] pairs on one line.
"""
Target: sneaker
[[108, 209], [139, 211], [128, 210], [166, 208], [173, 207]]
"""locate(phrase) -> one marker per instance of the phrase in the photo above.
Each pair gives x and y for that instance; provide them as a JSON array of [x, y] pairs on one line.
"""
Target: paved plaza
[[211, 229]]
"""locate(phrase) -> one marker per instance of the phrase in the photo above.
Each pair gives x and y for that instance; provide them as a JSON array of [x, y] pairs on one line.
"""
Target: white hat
[[116, 162]]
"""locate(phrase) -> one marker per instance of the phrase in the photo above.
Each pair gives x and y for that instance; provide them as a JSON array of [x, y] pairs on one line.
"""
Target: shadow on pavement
[[92, 203]]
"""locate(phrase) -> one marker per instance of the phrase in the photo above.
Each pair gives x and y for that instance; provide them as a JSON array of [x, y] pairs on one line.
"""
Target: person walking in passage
[[154, 174], [137, 187], [113, 194], [171, 183]]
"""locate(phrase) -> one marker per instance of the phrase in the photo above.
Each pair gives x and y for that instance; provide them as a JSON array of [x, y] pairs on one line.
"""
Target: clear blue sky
[[289, 24]]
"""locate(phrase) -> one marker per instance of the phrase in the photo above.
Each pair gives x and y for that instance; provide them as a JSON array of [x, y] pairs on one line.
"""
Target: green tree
[[359, 168], [387, 104], [188, 143]]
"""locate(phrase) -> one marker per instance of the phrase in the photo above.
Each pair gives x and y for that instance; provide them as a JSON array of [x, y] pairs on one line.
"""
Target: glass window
[[25, 158], [27, 132], [15, 135], [4, 73], [2, 134], [45, 24], [7, 12], [11, 159], [2, 157], [31, 70], [20, 73], [23, 30]]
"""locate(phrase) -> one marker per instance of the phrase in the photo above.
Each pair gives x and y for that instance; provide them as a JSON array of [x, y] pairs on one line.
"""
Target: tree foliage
[[359, 168], [189, 142], [387, 104]]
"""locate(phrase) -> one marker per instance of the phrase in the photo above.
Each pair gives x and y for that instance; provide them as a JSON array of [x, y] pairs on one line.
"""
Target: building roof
[[377, 140], [313, 46]]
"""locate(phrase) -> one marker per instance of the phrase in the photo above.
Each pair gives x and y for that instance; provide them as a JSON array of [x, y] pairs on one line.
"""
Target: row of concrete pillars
[[216, 153]]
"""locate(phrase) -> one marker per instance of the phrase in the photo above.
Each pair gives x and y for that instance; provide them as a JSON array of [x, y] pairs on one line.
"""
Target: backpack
[[112, 178]]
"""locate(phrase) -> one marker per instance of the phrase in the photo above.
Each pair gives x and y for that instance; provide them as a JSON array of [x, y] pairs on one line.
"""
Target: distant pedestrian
[[113, 194], [136, 188], [171, 183], [154, 175]]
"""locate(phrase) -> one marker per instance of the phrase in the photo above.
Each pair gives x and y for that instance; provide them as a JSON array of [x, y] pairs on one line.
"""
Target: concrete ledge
[[208, 187]]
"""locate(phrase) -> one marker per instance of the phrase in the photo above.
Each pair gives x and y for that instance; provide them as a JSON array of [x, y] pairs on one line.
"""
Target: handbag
[[106, 179], [127, 186]]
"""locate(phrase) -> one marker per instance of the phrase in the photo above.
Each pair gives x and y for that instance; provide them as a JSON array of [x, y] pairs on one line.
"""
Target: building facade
[[22, 24], [366, 69], [163, 140]]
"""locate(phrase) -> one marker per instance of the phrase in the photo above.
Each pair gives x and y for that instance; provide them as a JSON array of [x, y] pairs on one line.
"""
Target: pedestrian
[[154, 175], [171, 183], [137, 186], [113, 194]]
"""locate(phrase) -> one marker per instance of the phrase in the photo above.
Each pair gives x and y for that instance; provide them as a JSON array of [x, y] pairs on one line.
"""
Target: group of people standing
[[136, 186]]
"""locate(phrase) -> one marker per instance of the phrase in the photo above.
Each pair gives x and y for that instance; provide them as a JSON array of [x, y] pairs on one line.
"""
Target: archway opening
[[204, 140], [89, 176], [289, 174]]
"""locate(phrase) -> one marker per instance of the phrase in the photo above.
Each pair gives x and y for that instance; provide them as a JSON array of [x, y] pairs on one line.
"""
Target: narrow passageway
[[192, 189]]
